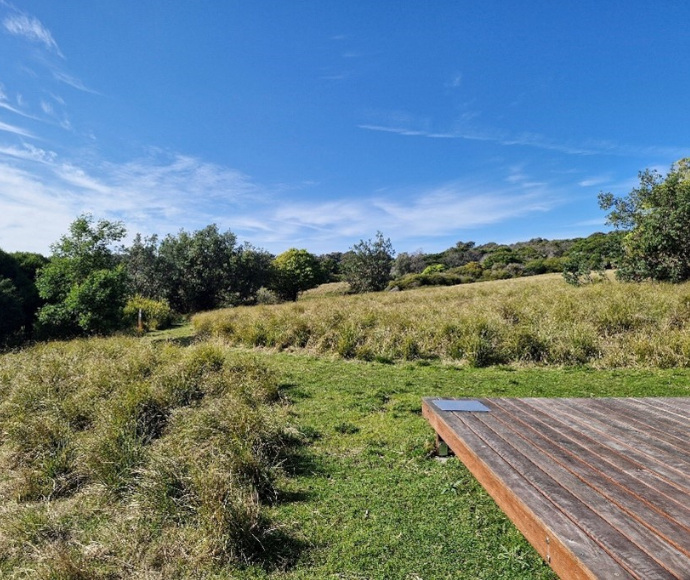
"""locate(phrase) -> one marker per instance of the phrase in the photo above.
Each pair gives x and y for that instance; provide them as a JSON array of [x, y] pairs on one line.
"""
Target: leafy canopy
[[656, 217], [83, 285], [295, 271], [368, 265]]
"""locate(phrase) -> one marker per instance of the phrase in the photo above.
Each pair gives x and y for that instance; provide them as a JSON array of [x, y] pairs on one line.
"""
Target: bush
[[367, 266], [656, 217], [432, 278], [155, 314]]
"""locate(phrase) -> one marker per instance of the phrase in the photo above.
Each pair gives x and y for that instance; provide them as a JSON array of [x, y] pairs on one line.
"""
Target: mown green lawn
[[367, 499]]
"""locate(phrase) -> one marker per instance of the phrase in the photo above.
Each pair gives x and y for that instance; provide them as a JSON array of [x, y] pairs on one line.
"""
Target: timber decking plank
[[626, 462], [626, 495], [586, 508], [632, 472], [646, 417], [600, 487], [655, 453], [618, 507], [563, 545]]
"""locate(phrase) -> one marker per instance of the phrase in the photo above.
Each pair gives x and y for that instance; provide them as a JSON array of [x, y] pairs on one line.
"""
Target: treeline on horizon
[[91, 285]]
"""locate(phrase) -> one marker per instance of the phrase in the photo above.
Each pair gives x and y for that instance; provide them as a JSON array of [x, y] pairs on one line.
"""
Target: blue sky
[[315, 123]]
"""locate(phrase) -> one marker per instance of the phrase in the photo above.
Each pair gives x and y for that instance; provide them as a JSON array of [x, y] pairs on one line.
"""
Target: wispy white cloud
[[155, 194], [5, 104], [406, 125], [502, 138], [47, 108], [595, 180], [29, 153], [40, 194], [406, 216], [15, 130], [73, 82], [31, 29]]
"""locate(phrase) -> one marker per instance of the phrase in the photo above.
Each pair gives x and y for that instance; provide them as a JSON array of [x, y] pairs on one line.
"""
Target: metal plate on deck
[[456, 405]]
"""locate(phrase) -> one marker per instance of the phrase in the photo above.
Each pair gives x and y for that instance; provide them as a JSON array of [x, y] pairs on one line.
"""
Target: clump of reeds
[[121, 457], [536, 320]]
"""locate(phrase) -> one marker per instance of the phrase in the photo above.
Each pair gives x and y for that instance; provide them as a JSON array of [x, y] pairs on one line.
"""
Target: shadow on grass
[[299, 462], [293, 392], [281, 551]]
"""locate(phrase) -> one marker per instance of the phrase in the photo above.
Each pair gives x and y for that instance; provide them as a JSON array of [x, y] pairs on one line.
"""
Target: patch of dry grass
[[123, 458], [536, 320]]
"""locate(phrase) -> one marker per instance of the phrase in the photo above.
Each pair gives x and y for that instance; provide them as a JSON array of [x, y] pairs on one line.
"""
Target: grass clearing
[[369, 500]]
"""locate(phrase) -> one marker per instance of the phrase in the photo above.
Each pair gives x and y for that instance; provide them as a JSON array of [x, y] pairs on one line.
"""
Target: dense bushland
[[19, 299], [121, 458], [537, 320]]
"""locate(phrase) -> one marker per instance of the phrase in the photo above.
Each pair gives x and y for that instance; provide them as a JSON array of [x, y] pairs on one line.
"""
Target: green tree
[[19, 298], [595, 253], [199, 269], [11, 309], [145, 269], [367, 266], [253, 270], [656, 218], [83, 285], [295, 271]]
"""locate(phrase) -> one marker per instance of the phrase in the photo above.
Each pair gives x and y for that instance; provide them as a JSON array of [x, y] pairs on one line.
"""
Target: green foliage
[[367, 265], [458, 255], [406, 263], [145, 268], [11, 308], [472, 269], [19, 298], [82, 285], [331, 266], [195, 271], [543, 266], [501, 256], [155, 314], [253, 270], [433, 269], [199, 268], [295, 271], [656, 217], [430, 278]]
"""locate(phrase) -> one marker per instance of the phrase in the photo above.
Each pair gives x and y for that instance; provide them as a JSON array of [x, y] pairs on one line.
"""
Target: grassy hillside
[[538, 320]]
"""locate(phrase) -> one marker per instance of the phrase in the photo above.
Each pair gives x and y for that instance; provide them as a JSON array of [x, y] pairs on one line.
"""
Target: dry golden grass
[[537, 320], [122, 458]]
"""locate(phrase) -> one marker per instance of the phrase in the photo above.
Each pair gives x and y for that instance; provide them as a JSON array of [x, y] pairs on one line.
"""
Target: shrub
[[367, 266], [155, 314], [266, 296]]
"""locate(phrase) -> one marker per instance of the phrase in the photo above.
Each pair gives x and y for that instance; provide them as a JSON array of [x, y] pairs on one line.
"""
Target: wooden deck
[[600, 487]]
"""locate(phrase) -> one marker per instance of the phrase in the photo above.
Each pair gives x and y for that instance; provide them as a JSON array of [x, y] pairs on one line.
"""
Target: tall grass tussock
[[536, 320], [120, 458]]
